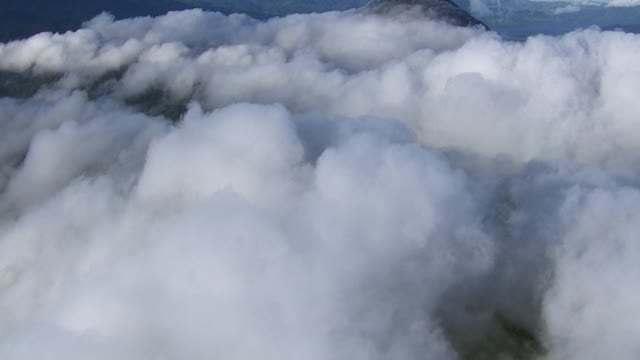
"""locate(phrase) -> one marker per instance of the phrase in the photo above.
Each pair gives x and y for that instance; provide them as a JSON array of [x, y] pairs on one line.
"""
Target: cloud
[[624, 3], [228, 222], [480, 8], [567, 9], [579, 291], [575, 5], [338, 185]]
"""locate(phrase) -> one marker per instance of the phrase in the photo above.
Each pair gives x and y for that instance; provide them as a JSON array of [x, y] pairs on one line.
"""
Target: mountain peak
[[445, 10]]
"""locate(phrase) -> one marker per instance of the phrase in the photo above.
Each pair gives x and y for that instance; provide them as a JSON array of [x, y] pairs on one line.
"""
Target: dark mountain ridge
[[445, 10]]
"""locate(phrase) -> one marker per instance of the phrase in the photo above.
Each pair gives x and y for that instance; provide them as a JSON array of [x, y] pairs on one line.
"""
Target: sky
[[323, 186]]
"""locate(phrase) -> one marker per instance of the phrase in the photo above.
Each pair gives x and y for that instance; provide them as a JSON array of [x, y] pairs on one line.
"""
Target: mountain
[[445, 10], [517, 19]]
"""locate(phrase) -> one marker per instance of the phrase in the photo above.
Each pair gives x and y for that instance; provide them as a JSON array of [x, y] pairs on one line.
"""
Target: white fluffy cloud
[[624, 3], [568, 9], [574, 5], [339, 186]]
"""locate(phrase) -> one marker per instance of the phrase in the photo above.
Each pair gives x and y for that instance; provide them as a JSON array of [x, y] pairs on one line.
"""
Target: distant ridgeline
[[24, 18], [514, 19], [517, 19]]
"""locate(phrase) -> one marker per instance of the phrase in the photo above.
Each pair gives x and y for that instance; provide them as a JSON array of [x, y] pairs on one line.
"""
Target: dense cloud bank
[[336, 186]]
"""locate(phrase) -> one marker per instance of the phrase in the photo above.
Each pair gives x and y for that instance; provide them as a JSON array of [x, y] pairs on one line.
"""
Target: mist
[[322, 186]]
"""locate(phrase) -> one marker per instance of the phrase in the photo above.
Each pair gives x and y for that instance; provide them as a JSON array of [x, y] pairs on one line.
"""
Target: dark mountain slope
[[445, 10]]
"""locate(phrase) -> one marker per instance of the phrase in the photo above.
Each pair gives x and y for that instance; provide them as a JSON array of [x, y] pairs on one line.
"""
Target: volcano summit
[[444, 10]]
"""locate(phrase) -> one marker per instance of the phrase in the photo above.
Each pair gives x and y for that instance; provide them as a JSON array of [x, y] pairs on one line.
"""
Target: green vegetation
[[502, 338], [22, 85], [156, 102]]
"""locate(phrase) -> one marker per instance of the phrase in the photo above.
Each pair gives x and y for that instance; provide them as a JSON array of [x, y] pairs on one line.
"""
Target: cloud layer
[[337, 186], [610, 3]]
